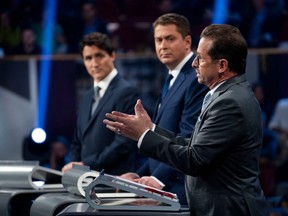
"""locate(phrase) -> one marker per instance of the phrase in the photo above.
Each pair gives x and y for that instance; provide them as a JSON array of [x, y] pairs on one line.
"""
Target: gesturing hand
[[132, 126]]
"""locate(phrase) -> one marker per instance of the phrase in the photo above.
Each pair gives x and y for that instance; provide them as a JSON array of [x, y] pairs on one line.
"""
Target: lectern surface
[[83, 209]]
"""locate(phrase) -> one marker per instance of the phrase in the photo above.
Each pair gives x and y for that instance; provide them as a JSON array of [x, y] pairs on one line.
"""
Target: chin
[[166, 61]]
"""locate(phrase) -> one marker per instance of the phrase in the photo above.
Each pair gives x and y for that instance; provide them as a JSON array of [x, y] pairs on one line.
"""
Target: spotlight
[[38, 135]]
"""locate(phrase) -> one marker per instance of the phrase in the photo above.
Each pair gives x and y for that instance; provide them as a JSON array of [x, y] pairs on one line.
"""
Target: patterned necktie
[[96, 99], [166, 86], [206, 100]]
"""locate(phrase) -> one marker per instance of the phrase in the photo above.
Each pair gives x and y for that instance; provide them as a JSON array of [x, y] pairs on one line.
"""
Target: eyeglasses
[[199, 59]]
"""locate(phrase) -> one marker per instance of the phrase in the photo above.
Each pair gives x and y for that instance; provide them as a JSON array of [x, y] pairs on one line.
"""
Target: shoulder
[[121, 86], [121, 83], [237, 94]]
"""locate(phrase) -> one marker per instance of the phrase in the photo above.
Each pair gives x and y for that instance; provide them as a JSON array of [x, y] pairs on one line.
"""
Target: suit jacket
[[178, 112], [221, 160], [93, 143]]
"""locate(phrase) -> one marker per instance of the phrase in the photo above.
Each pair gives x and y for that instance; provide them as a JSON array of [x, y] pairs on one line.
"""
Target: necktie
[[206, 100], [96, 99], [166, 86]]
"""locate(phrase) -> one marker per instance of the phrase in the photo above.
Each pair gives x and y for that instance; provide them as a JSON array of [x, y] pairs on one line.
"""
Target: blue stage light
[[220, 11], [45, 64]]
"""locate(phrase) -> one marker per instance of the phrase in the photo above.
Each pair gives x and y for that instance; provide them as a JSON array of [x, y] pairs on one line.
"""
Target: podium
[[145, 198], [74, 181], [94, 193], [21, 182], [28, 189]]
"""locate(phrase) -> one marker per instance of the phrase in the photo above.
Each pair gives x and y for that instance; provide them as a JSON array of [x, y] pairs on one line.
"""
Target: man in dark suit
[[93, 144], [178, 110], [221, 159]]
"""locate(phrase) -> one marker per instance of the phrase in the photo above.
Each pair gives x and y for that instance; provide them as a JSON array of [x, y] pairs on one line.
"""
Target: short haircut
[[99, 40], [229, 44], [181, 23]]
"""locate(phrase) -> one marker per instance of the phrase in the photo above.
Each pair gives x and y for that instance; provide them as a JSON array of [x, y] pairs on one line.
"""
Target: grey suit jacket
[[93, 143], [221, 160]]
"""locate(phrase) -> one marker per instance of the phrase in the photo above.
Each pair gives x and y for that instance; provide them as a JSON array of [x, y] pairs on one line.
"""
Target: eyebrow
[[166, 36]]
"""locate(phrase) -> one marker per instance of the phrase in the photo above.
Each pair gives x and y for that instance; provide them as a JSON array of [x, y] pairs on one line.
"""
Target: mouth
[[165, 55], [96, 71]]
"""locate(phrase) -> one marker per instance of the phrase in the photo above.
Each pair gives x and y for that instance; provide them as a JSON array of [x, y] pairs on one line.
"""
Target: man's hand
[[149, 181], [145, 180], [130, 176], [70, 165], [132, 126]]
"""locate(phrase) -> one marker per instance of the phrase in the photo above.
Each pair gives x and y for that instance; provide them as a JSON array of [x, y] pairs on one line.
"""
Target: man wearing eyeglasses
[[220, 160]]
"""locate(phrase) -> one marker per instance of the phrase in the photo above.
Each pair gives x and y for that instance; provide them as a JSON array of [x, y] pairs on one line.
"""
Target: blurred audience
[[28, 44], [91, 22], [263, 22], [279, 124], [269, 151], [9, 33], [283, 32], [264, 102], [58, 153], [279, 206], [59, 43], [85, 22]]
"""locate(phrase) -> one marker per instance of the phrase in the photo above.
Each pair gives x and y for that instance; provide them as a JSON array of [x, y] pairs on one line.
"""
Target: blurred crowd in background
[[264, 23]]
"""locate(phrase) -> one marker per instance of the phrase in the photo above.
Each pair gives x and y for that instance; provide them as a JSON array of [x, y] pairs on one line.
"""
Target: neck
[[222, 78]]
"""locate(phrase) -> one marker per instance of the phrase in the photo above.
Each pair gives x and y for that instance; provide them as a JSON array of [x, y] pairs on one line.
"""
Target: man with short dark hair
[[221, 160], [93, 145]]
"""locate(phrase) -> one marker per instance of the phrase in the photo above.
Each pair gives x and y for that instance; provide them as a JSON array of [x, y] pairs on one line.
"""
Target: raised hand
[[132, 126]]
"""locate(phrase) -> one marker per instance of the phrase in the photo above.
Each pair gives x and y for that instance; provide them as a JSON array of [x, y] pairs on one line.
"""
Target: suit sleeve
[[144, 169], [215, 135], [189, 114]]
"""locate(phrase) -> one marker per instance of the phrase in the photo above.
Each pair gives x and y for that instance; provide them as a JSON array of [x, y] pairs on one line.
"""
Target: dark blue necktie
[[166, 86]]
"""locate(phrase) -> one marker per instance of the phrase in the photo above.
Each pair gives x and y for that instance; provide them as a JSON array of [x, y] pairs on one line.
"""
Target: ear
[[113, 55], [223, 65], [188, 41]]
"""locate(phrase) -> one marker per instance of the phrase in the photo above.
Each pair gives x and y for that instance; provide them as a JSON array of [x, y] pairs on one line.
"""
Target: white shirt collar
[[217, 86], [175, 72], [103, 84]]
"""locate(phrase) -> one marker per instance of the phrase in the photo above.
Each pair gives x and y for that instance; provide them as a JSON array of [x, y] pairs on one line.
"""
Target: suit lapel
[[177, 84], [222, 88], [87, 110], [214, 95], [106, 97], [108, 94], [167, 100]]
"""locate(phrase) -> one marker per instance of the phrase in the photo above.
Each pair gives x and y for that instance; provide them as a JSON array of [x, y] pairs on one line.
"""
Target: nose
[[163, 45], [194, 63], [94, 62]]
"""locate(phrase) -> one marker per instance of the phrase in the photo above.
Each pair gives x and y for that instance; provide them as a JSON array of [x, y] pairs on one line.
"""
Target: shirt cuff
[[143, 135], [159, 182]]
